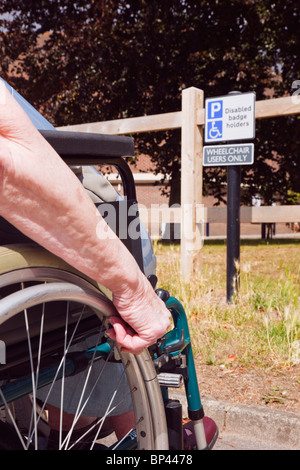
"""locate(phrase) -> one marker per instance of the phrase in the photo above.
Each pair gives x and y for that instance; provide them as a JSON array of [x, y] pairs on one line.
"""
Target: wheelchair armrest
[[81, 144], [83, 148]]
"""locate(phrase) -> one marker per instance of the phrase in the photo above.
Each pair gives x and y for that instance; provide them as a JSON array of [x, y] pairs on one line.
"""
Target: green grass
[[258, 329]]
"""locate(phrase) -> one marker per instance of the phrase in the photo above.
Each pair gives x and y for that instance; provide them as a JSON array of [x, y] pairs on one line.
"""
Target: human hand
[[143, 319]]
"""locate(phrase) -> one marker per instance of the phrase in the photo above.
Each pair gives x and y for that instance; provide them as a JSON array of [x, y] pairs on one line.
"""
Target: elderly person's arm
[[42, 197]]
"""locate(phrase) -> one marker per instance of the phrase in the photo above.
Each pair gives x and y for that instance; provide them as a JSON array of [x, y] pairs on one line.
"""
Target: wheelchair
[[53, 321]]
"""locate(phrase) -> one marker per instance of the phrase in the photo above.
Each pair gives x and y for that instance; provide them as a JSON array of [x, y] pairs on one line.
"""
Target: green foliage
[[91, 60]]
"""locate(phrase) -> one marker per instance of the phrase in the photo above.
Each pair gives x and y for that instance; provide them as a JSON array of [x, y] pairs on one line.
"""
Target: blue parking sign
[[215, 109], [230, 117]]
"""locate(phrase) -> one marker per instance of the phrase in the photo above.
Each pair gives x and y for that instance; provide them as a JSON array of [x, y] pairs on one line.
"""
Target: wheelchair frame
[[172, 355]]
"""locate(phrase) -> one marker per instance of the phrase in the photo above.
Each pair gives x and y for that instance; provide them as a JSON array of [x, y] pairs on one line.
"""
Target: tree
[[276, 171], [90, 60]]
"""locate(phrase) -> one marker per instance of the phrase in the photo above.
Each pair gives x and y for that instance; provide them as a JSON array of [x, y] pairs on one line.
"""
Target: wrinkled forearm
[[42, 197], [62, 218]]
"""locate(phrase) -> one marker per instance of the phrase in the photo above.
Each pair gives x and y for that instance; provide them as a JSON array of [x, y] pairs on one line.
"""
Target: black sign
[[225, 155]]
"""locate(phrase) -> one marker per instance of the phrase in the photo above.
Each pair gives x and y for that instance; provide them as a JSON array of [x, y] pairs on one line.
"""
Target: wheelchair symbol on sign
[[215, 129]]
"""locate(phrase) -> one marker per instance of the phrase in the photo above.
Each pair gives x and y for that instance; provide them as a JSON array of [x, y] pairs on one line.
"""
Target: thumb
[[125, 337]]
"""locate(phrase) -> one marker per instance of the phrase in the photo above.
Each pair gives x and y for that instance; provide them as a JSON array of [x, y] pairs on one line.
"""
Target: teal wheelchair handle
[[177, 341]]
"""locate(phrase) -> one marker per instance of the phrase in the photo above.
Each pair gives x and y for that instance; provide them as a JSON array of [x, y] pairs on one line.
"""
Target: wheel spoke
[[84, 309]]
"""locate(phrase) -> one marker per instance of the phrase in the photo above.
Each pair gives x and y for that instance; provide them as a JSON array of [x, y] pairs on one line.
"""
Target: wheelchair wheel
[[52, 323]]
